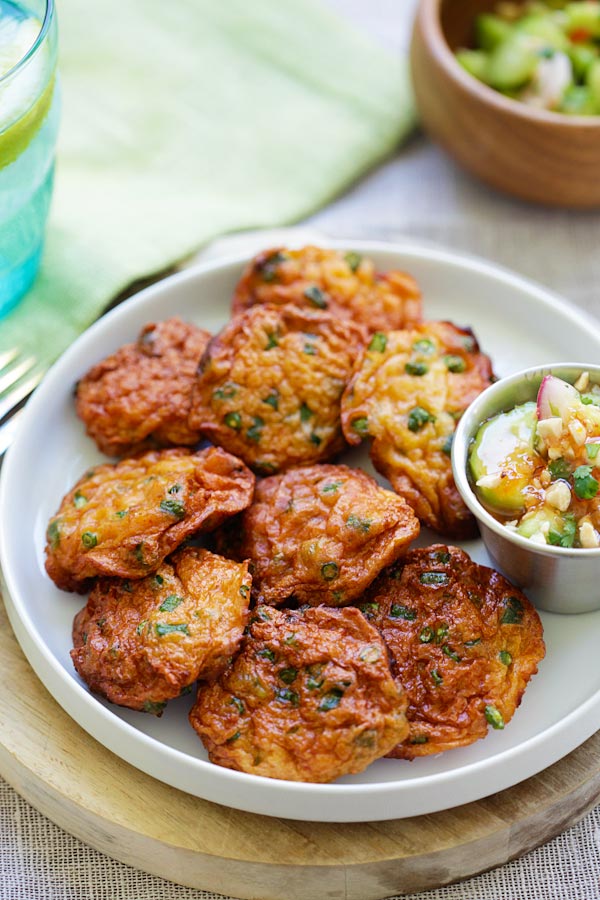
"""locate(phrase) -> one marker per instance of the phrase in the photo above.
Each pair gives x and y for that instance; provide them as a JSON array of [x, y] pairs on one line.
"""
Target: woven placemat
[[39, 861]]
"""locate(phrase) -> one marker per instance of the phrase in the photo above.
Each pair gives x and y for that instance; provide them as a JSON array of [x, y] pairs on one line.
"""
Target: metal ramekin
[[556, 579]]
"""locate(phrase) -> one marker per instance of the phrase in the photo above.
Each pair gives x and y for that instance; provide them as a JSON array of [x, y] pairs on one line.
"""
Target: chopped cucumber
[[540, 521], [583, 17], [513, 63], [578, 101], [545, 29], [582, 56], [543, 53], [593, 83], [491, 30], [474, 62]]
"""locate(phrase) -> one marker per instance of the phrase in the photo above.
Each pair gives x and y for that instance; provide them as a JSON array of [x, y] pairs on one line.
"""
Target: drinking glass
[[28, 128]]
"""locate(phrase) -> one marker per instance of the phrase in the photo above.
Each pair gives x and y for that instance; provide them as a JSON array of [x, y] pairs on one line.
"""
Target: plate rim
[[77, 698]]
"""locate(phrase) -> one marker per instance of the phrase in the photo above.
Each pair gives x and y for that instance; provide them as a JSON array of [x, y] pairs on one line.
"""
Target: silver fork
[[19, 376]]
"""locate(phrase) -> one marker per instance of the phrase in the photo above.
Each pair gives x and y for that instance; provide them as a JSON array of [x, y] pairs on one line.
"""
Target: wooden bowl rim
[[428, 16]]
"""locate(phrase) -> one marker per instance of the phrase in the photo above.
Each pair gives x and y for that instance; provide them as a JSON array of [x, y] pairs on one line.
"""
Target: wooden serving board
[[97, 797]]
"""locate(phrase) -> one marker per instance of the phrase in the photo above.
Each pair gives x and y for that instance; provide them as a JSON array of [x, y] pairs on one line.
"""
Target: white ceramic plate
[[520, 325]]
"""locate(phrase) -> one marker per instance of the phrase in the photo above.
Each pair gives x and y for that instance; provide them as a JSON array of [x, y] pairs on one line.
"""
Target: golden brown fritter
[[122, 519], [270, 386], [464, 644], [408, 393], [319, 534], [142, 643], [344, 284], [140, 396], [309, 698]]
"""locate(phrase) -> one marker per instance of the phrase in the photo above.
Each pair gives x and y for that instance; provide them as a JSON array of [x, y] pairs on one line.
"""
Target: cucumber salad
[[536, 467], [545, 53]]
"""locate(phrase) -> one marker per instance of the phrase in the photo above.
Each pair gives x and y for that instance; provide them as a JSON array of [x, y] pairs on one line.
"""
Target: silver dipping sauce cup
[[556, 579]]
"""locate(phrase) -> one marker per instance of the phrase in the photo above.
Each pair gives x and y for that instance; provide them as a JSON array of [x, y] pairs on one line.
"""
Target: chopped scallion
[[353, 259], [287, 696], [170, 603], [316, 296], [418, 418], [416, 368], [173, 508], [513, 612], [331, 699], [360, 425], [89, 539], [398, 611], [306, 413], [233, 420], [454, 363], [359, 524], [433, 578], [424, 346], [163, 628], [330, 571], [288, 675], [254, 432], [494, 717], [156, 709], [378, 342], [272, 400]]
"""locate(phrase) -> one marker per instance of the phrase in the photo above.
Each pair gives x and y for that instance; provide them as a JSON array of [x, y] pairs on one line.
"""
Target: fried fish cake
[[122, 519], [344, 284], [407, 393], [270, 386], [464, 644], [319, 534], [139, 397], [142, 643], [309, 698]]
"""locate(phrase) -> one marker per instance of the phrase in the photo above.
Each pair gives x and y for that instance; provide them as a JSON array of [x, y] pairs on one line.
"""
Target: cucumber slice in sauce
[[502, 459], [539, 521]]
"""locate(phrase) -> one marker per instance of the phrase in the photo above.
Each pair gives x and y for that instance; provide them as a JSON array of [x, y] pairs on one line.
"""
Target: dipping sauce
[[536, 467], [544, 53]]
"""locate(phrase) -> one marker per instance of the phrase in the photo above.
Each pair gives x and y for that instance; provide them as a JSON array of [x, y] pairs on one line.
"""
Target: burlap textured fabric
[[39, 861]]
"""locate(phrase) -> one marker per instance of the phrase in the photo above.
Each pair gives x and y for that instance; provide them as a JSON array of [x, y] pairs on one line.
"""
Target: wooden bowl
[[546, 157]]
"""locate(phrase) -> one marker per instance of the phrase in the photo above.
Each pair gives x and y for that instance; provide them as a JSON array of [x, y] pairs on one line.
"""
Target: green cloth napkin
[[186, 119]]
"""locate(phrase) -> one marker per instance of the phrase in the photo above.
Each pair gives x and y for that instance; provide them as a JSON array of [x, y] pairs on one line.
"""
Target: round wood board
[[97, 797]]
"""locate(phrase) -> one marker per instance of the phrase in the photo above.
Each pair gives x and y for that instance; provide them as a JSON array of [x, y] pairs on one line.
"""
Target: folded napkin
[[187, 119]]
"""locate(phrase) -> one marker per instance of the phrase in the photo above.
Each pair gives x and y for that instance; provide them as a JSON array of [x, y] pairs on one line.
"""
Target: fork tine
[[17, 382], [7, 433], [13, 375], [7, 357], [19, 393]]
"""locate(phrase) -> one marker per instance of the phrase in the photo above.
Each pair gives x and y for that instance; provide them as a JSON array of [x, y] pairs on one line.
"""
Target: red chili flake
[[580, 36]]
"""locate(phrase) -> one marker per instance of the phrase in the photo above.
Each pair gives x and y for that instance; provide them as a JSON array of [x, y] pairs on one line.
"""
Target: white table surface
[[419, 195]]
